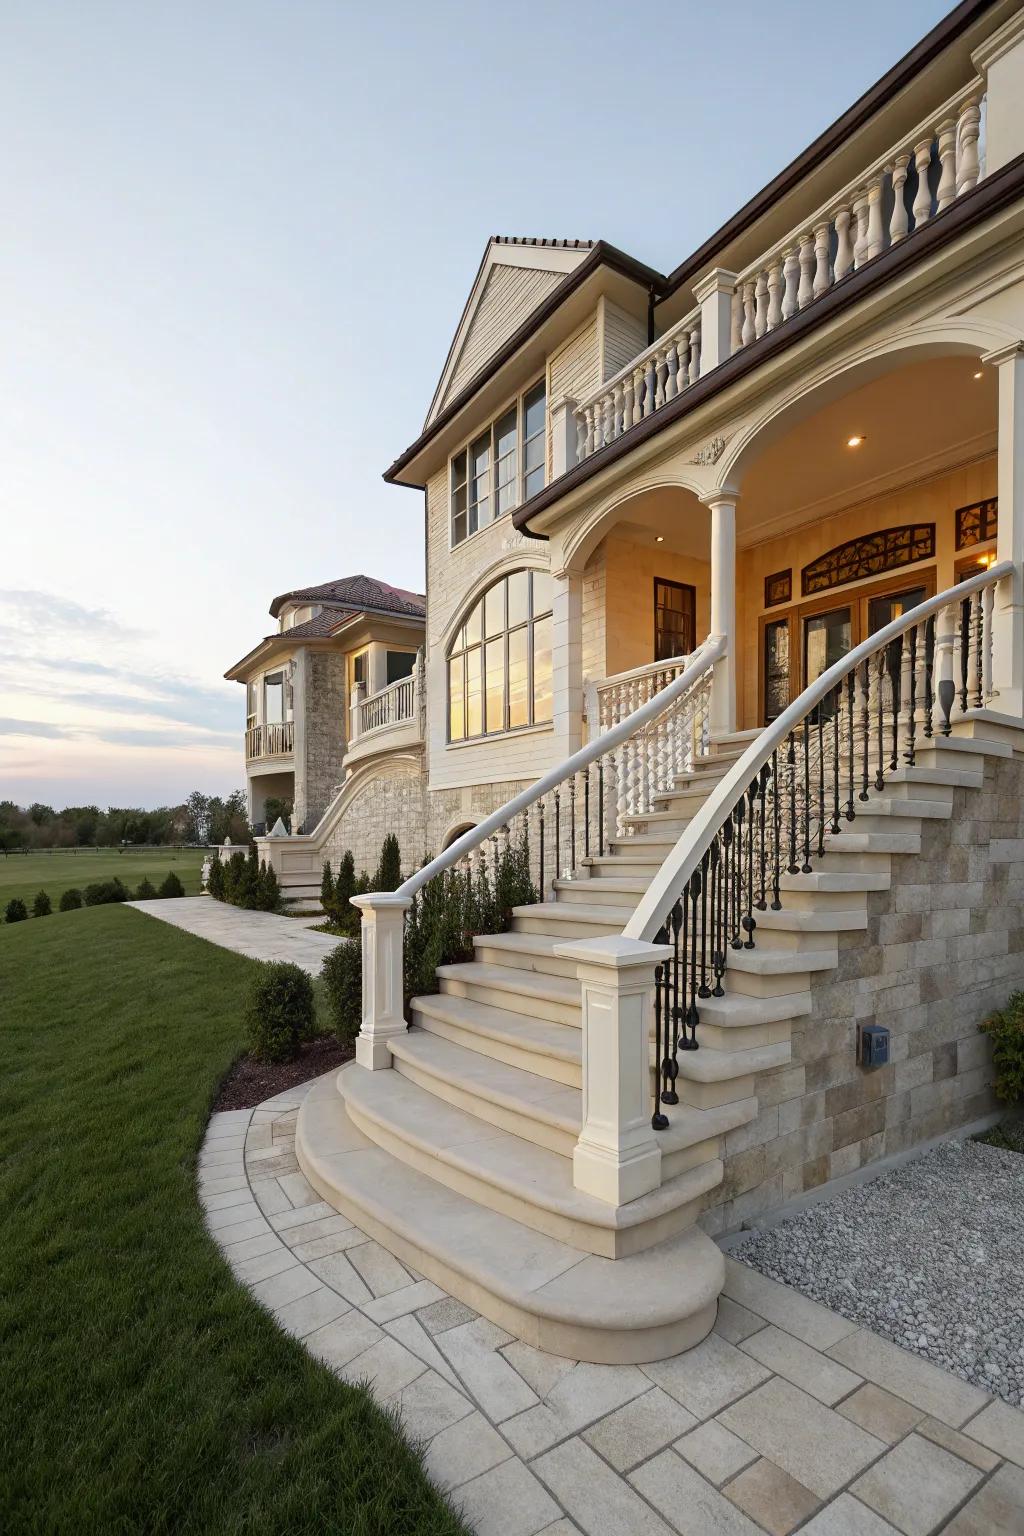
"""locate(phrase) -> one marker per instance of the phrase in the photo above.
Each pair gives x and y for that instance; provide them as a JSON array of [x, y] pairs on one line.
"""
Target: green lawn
[[143, 1389], [23, 874]]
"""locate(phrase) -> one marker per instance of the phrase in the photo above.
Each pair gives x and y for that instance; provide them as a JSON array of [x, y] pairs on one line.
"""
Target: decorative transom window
[[501, 467], [977, 523], [499, 664], [870, 555]]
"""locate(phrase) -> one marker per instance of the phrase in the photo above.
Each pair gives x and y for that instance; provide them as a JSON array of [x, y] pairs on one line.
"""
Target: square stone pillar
[[1008, 612], [567, 662], [618, 1155], [383, 941], [999, 61], [714, 295], [723, 606]]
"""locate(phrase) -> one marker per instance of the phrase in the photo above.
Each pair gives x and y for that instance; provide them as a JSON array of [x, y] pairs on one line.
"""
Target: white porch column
[[618, 1155], [563, 436], [383, 937], [358, 690], [723, 606], [714, 295], [567, 662], [1008, 614]]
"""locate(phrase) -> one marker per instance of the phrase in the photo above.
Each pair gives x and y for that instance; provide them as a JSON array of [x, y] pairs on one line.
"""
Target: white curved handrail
[[695, 841], [703, 659]]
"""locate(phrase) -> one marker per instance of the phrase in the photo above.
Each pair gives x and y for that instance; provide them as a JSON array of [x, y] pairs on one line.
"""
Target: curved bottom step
[[606, 1311]]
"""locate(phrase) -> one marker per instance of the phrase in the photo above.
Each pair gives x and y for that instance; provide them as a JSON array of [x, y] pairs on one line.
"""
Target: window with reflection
[[273, 698], [499, 666], [501, 468]]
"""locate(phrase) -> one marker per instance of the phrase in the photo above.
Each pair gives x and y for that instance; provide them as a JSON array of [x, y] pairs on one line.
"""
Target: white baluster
[[968, 131], [695, 354], [947, 163], [618, 421], [844, 248], [650, 386], [660, 372], [899, 222], [639, 383], [875, 227], [609, 416], [791, 281], [581, 435], [805, 264], [672, 366], [627, 402], [923, 201], [682, 362], [736, 335], [860, 217], [774, 317], [822, 274], [749, 329], [591, 437], [761, 304], [987, 604], [974, 651]]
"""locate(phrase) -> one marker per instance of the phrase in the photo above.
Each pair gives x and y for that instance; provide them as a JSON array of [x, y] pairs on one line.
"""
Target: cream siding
[[510, 295]]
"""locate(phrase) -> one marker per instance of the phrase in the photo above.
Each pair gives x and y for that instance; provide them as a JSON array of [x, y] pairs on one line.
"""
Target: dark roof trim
[[601, 255], [940, 37], [988, 197]]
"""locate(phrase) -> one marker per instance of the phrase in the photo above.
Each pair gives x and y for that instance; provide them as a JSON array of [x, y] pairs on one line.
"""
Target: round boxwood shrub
[[170, 885], [146, 890], [279, 1010], [15, 911], [71, 900], [41, 906], [342, 976], [105, 891]]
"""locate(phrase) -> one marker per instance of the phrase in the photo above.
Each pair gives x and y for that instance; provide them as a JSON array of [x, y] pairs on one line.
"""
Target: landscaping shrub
[[16, 911], [327, 887], [389, 870], [170, 886], [41, 906], [105, 891], [215, 880], [146, 890], [71, 900], [342, 976], [268, 889], [342, 915], [279, 1010], [234, 874], [1006, 1026]]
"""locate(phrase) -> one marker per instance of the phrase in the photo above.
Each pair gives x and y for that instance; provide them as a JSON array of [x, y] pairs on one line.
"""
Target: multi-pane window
[[400, 664], [500, 468], [499, 666], [675, 619], [250, 704], [273, 698]]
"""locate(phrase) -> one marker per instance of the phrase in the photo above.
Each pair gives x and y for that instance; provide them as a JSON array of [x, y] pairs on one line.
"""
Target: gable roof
[[353, 593], [516, 274]]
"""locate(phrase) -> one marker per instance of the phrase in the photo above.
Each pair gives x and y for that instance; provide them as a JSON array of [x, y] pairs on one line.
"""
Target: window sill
[[500, 736]]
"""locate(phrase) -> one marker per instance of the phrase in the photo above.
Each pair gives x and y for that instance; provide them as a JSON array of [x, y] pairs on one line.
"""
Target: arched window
[[499, 665]]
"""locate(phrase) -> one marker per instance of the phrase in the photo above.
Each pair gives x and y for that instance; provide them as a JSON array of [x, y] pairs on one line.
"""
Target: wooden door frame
[[856, 597], [682, 586]]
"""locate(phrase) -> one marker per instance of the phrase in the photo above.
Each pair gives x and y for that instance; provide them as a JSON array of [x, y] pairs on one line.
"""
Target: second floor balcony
[[270, 740], [388, 719]]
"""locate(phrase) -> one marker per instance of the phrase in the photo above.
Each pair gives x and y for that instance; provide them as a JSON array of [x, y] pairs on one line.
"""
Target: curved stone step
[[570, 919], [556, 998], [533, 952], [535, 1045], [615, 1312], [609, 890], [506, 1173]]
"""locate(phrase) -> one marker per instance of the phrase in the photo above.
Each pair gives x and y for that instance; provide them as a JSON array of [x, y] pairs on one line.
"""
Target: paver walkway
[[260, 935], [786, 1417]]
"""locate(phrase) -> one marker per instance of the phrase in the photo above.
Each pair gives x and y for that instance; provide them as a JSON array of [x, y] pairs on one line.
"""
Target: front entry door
[[827, 638]]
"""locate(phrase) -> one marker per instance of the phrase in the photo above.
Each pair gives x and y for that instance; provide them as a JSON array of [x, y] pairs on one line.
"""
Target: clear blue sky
[[236, 239]]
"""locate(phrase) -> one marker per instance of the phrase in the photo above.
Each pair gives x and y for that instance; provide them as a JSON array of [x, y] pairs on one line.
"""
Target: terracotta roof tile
[[357, 593]]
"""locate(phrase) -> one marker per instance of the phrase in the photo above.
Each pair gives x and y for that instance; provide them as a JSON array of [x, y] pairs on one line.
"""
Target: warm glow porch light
[[985, 560], [855, 441], [659, 538], [980, 374]]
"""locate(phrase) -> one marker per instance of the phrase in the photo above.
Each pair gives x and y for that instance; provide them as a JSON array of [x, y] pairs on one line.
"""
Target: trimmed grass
[[23, 874], [143, 1388]]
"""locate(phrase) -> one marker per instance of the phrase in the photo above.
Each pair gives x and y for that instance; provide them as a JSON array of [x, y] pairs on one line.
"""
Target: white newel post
[[714, 295], [618, 1156], [999, 61], [563, 436], [358, 691], [1008, 614], [383, 936], [567, 662], [723, 606]]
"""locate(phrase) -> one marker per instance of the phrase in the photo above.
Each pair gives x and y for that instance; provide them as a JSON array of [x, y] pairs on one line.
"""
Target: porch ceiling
[[914, 421]]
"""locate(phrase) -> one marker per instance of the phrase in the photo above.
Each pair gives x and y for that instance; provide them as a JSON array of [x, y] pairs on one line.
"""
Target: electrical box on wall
[[872, 1045]]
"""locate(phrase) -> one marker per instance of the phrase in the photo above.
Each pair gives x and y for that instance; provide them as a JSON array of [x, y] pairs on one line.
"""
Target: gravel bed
[[931, 1255]]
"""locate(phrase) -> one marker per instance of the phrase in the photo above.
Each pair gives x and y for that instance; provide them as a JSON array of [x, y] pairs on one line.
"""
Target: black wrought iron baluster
[[718, 895], [558, 833], [673, 1013], [929, 668], [540, 844], [837, 708], [965, 646], [737, 816], [806, 866], [659, 1121], [704, 990], [879, 773], [851, 767], [684, 1042], [572, 824], [600, 806], [692, 1015], [865, 711], [908, 755], [794, 867], [821, 779], [749, 921], [777, 827], [586, 811], [896, 680], [762, 787]]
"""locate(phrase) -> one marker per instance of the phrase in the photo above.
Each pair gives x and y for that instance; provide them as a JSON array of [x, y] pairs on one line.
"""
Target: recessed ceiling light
[[855, 441], [980, 373], [659, 538]]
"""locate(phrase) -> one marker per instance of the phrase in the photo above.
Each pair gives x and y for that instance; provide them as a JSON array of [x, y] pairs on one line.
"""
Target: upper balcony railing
[[270, 740], [918, 177], [393, 705]]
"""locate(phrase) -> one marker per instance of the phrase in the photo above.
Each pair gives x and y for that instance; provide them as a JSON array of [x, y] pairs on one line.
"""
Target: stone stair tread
[[919, 807], [557, 989], [525, 1171], [527, 1093], [779, 962], [558, 1040], [873, 842], [796, 920], [837, 880], [981, 745], [734, 1009], [554, 1296], [708, 1065], [955, 777], [572, 912], [628, 885]]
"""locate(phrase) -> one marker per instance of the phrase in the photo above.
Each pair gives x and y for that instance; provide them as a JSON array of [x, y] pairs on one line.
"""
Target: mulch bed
[[250, 1082]]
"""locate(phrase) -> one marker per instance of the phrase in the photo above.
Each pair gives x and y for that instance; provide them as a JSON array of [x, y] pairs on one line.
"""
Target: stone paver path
[[787, 1417], [260, 935]]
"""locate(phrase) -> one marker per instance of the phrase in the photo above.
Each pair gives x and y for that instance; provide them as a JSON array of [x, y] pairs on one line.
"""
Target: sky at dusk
[[237, 238]]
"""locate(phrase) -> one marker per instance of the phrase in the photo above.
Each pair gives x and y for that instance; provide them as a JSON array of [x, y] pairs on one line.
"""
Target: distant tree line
[[200, 819]]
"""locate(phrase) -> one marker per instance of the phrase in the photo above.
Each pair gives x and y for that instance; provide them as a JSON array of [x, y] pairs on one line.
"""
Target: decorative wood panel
[[778, 588], [977, 523], [870, 555]]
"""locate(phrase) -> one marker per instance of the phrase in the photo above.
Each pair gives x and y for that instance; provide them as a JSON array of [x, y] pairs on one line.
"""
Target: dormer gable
[[515, 276]]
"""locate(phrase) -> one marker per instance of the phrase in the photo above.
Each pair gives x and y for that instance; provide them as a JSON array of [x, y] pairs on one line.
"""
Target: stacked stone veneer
[[943, 947], [320, 733]]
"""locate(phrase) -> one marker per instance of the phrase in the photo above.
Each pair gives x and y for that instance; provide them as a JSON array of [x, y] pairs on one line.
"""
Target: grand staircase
[[460, 1159]]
